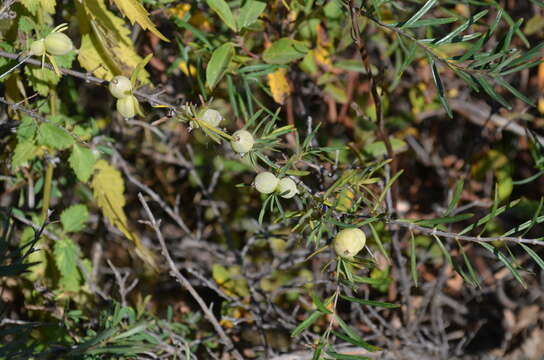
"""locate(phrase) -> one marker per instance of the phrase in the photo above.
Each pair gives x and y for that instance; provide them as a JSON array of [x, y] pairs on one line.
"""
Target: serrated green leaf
[[74, 218], [249, 13], [218, 64], [24, 152], [82, 162], [54, 136], [284, 51], [223, 10], [66, 254]]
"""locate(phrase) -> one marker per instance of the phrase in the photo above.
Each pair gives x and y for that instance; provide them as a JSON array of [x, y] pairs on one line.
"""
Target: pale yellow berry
[[58, 44], [120, 87], [211, 116], [37, 48], [266, 182], [127, 106], [242, 141], [287, 188], [348, 242]]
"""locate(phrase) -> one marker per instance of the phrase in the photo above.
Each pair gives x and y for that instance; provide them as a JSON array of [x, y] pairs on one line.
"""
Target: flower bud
[[266, 182], [127, 106], [348, 242], [120, 87], [58, 44], [37, 48], [210, 116], [287, 188], [242, 141]]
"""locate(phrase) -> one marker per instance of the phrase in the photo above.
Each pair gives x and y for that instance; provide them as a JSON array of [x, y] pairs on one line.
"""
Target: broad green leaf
[[24, 152], [249, 13], [218, 65], [223, 10], [54, 136], [74, 218], [135, 11], [82, 161], [66, 254], [284, 51]]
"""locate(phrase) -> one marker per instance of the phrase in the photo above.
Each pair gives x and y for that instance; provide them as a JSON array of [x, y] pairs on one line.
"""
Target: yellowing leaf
[[108, 188], [279, 86], [135, 11], [35, 6], [187, 70], [322, 56], [106, 48]]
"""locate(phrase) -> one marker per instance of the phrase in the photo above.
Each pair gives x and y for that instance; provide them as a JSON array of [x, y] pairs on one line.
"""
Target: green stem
[[47, 191]]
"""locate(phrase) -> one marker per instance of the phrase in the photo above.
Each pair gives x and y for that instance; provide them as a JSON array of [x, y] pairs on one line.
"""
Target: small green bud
[[266, 182], [120, 87], [58, 44], [287, 188], [242, 141], [37, 48], [211, 116], [348, 242], [127, 106]]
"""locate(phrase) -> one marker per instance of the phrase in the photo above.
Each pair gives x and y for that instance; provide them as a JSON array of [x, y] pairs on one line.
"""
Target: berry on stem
[[287, 188], [37, 48], [348, 242], [266, 182], [120, 87], [58, 44], [127, 106], [210, 116], [242, 141]]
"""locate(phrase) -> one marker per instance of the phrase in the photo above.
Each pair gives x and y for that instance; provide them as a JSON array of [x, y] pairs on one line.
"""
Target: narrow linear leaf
[[306, 323], [424, 9], [505, 261], [370, 302], [413, 259], [440, 87]]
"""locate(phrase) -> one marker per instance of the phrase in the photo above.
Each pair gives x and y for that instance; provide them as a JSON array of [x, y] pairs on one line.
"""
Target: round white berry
[[58, 44], [120, 87], [266, 182], [127, 106], [242, 141], [287, 188], [211, 116], [348, 242]]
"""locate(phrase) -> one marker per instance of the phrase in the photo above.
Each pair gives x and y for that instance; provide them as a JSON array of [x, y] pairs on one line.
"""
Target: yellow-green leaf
[[135, 12], [108, 188]]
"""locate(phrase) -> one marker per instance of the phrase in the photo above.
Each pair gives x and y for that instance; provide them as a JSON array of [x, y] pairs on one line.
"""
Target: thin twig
[[184, 282]]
